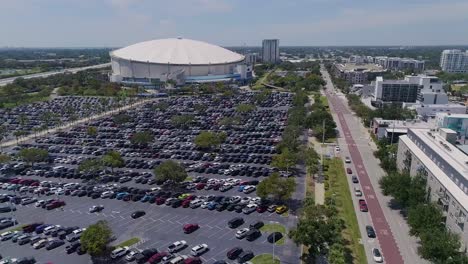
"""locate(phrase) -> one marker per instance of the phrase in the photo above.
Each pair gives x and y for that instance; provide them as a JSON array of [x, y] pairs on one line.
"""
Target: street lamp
[[274, 240]]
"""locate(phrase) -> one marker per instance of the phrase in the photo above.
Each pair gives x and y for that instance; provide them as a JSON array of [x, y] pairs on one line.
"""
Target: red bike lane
[[388, 245]]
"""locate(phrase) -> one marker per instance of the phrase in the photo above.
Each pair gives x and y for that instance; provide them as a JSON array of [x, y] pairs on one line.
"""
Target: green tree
[[96, 237], [161, 105], [336, 254], [182, 121], [276, 187], [318, 228], [285, 160], [406, 190], [439, 245], [90, 165], [142, 138], [311, 159], [423, 218], [113, 159], [91, 131], [33, 155], [122, 119], [245, 108], [170, 171], [208, 140], [18, 134], [229, 121], [4, 158]]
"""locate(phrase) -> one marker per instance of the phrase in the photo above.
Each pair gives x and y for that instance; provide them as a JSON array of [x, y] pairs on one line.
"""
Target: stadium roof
[[177, 51]]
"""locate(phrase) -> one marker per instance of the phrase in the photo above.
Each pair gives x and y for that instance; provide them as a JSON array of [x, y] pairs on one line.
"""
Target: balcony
[[460, 220]]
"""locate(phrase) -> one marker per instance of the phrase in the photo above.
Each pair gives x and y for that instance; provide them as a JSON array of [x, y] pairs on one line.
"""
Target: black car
[[138, 214], [72, 247], [176, 203], [145, 255], [253, 234], [355, 179], [245, 256], [257, 225], [29, 260], [80, 250], [54, 244], [274, 237], [235, 222], [370, 231], [234, 253]]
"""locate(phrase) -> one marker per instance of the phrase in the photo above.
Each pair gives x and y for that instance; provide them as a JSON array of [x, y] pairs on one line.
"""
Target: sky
[[117, 23]]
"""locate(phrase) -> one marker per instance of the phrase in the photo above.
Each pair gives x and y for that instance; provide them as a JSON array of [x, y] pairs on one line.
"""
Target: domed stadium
[[178, 59]]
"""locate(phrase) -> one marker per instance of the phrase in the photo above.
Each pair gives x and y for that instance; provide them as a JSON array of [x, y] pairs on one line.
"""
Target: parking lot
[[216, 178]]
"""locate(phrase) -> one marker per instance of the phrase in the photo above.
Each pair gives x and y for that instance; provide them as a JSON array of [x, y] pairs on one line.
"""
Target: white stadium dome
[[183, 60]]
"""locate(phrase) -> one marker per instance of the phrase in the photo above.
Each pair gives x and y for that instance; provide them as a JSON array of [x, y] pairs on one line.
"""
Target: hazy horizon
[[118, 23]]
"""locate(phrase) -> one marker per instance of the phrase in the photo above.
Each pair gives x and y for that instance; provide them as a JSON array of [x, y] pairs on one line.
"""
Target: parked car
[[235, 222], [198, 250], [138, 214], [189, 228], [177, 246], [119, 252], [363, 205], [234, 253], [245, 256], [370, 231], [377, 255]]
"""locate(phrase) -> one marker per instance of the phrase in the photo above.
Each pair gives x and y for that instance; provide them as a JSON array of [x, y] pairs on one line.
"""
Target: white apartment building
[[270, 51], [430, 152], [431, 91], [399, 64], [455, 61]]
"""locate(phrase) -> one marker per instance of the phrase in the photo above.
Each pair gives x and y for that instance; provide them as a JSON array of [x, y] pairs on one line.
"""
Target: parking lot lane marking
[[112, 216], [219, 227], [122, 217]]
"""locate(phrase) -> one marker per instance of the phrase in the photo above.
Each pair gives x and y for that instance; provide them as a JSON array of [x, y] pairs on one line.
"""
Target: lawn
[[339, 188], [265, 259], [16, 228], [258, 84], [127, 243], [270, 228]]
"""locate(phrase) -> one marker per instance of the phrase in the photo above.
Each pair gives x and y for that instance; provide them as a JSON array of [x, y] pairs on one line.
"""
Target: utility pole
[[393, 132], [323, 143]]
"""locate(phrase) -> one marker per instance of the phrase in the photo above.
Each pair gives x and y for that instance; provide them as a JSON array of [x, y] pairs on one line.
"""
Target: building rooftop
[[397, 81], [444, 179], [369, 67], [452, 155], [416, 123]]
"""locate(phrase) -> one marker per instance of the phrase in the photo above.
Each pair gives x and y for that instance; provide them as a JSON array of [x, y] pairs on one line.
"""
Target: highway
[[396, 245], [45, 74]]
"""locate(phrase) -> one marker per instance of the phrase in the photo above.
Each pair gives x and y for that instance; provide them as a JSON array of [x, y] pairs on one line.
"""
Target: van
[[23, 239]]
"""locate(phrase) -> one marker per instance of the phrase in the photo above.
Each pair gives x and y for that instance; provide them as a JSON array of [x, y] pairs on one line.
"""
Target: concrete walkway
[[75, 123]]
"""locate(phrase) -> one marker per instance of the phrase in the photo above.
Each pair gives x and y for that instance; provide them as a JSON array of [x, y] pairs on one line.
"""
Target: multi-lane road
[[45, 74], [392, 232]]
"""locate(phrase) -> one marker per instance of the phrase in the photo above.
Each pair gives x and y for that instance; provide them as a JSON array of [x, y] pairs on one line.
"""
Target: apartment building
[[270, 51], [432, 153], [395, 91], [455, 61]]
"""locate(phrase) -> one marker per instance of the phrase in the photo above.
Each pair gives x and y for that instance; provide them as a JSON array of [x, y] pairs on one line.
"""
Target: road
[[396, 244], [45, 74]]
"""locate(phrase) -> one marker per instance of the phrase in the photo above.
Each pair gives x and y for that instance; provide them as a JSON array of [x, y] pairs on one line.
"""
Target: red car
[[363, 205], [190, 197], [193, 261], [189, 228], [156, 258], [55, 204], [15, 180], [349, 170], [261, 208], [200, 186], [160, 201], [186, 203]]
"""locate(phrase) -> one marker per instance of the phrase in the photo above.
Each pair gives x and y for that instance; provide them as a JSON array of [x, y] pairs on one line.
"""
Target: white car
[[204, 205], [59, 192], [249, 189], [337, 149], [96, 208], [199, 249], [176, 246], [28, 200], [119, 252], [195, 203], [235, 199], [255, 200], [40, 203], [7, 235], [40, 244], [249, 208], [357, 192], [245, 200], [377, 255], [347, 160], [240, 234], [131, 255], [107, 194], [50, 229]]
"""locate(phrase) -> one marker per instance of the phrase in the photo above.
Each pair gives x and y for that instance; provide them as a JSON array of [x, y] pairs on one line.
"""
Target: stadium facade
[[181, 60]]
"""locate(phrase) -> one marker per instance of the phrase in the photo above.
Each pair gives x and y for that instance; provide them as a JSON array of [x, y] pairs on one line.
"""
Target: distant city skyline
[[116, 23]]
